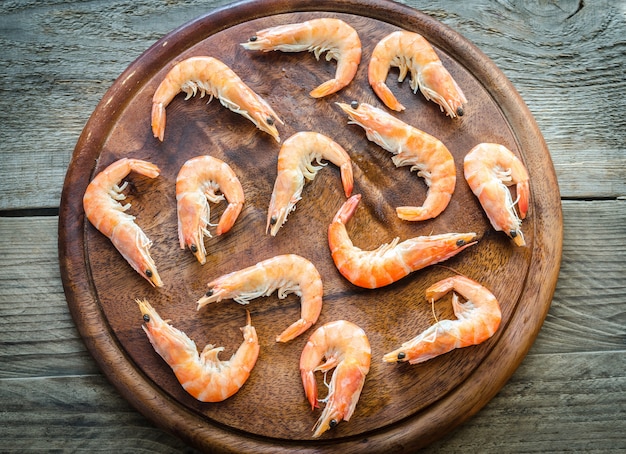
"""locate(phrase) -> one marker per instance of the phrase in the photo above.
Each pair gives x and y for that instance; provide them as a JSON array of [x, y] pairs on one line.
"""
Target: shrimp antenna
[[449, 268], [432, 309]]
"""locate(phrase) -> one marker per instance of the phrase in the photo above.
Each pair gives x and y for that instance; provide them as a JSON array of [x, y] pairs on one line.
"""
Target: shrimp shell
[[295, 164], [477, 320], [389, 262], [196, 185], [210, 75], [411, 52], [346, 348], [410, 147], [287, 273], [204, 375], [103, 210], [318, 36], [489, 168]]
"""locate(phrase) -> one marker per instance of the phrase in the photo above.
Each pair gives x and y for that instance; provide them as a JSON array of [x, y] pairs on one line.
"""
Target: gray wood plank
[[580, 395], [67, 57]]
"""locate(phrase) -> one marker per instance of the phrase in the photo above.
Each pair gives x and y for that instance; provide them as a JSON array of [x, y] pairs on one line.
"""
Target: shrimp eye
[[273, 220], [460, 243], [193, 248], [513, 233], [401, 356], [148, 273], [146, 318], [354, 104], [459, 111], [332, 423], [270, 121], [253, 38], [209, 293]]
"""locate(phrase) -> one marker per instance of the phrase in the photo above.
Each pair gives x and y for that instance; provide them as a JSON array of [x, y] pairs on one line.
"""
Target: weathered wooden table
[[565, 58]]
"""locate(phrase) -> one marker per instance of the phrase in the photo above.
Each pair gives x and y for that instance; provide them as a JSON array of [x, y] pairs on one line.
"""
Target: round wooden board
[[402, 407]]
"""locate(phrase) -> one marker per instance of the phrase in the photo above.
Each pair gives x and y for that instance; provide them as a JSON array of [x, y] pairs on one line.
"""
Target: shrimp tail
[[347, 178], [228, 218], [158, 120], [387, 97], [523, 196], [310, 387], [345, 213], [430, 209], [327, 88], [293, 331]]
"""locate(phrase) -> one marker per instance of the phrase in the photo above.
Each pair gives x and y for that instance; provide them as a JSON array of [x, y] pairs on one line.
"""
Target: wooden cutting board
[[402, 407]]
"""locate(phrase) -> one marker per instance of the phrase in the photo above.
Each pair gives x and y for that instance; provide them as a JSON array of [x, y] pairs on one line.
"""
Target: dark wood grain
[[101, 288]]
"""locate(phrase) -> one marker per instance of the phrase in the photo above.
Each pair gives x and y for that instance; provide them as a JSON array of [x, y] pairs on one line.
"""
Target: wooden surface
[[564, 59], [101, 289]]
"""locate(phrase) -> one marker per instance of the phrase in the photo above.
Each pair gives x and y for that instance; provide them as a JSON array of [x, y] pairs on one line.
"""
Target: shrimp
[[318, 36], [477, 320], [411, 52], [288, 273], [210, 75], [102, 208], [489, 168], [347, 349], [411, 147], [295, 164], [392, 261], [196, 185], [204, 375]]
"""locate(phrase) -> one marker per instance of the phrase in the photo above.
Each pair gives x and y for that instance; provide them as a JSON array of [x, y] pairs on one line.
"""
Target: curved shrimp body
[[197, 184], [411, 147], [489, 168], [210, 75], [102, 208], [477, 320], [318, 36], [389, 262], [411, 52], [204, 375], [295, 163], [345, 347], [288, 273]]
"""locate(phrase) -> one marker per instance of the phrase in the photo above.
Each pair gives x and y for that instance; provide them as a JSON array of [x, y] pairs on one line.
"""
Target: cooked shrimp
[[295, 163], [392, 261], [318, 36], [346, 348], [411, 52], [102, 208], [411, 147], [210, 75], [197, 184], [477, 320], [288, 273], [204, 375], [489, 168]]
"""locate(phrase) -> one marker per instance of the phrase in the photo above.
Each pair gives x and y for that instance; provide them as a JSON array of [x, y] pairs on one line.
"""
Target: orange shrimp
[[196, 185], [295, 163], [411, 52], [204, 375], [288, 273], [411, 147], [489, 168], [318, 36], [477, 320], [102, 208], [392, 261], [346, 348], [210, 75]]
